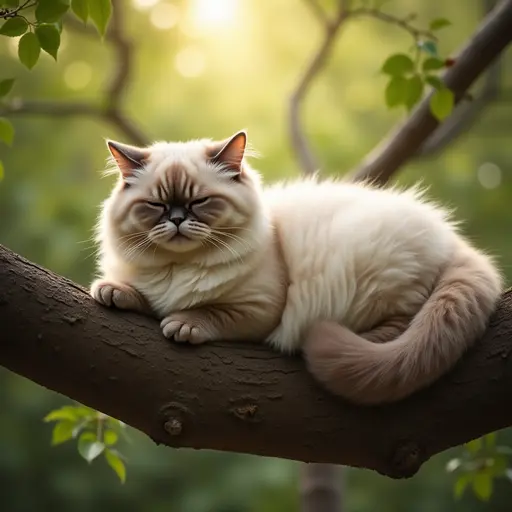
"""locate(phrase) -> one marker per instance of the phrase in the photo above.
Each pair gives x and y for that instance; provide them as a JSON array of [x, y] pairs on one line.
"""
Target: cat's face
[[182, 197]]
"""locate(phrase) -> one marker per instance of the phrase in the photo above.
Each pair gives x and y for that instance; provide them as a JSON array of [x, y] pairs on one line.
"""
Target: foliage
[[39, 23], [410, 74], [96, 434], [480, 464]]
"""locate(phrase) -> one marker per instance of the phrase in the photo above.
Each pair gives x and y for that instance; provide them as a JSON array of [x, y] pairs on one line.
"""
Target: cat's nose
[[177, 215]]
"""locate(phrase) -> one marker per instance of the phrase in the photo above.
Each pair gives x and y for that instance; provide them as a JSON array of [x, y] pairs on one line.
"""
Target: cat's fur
[[302, 265]]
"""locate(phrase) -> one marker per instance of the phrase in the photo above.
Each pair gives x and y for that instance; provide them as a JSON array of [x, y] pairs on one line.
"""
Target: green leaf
[[10, 3], [441, 106], [89, 447], [29, 50], [14, 27], [115, 462], [474, 446], [63, 431], [100, 12], [396, 92], [110, 437], [49, 39], [81, 9], [505, 450], [50, 11], [414, 91], [398, 64], [2, 173], [64, 413], [428, 47], [498, 466], [433, 63], [490, 440], [482, 485], [439, 23], [6, 86], [6, 131], [461, 484], [434, 81]]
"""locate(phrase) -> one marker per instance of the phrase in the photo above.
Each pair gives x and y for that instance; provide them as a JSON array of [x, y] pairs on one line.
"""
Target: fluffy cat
[[376, 286]]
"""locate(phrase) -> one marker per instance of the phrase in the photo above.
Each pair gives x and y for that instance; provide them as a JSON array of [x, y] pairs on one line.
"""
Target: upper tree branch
[[384, 161], [234, 397], [110, 109], [331, 29], [76, 109], [298, 138], [466, 113], [492, 37]]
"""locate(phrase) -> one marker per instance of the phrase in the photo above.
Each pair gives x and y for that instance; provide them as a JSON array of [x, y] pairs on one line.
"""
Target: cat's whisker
[[227, 246], [235, 238], [219, 248], [138, 249], [130, 239]]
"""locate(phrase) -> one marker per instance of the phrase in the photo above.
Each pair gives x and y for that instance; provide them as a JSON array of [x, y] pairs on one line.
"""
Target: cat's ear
[[228, 154], [128, 158]]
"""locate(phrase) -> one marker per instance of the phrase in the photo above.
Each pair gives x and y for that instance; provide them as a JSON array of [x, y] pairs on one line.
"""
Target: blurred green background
[[206, 68]]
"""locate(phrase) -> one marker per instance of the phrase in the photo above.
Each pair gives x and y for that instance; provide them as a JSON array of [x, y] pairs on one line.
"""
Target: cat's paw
[[121, 296], [183, 328]]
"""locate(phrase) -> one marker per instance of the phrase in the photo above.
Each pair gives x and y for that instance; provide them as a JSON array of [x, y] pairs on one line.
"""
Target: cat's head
[[182, 197]]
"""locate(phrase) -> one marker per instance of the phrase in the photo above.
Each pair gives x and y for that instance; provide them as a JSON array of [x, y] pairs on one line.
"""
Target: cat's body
[[301, 265]]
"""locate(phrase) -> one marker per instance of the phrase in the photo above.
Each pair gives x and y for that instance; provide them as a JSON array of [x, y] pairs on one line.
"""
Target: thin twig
[[317, 10], [299, 141], [298, 138], [77, 109], [404, 23], [123, 57]]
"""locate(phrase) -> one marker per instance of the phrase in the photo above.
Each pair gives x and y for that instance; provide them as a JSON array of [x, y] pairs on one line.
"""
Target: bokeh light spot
[[164, 16], [489, 175], [190, 62], [78, 75]]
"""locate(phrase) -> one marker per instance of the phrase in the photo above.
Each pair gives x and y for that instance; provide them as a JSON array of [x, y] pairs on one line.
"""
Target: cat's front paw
[[183, 328], [121, 296]]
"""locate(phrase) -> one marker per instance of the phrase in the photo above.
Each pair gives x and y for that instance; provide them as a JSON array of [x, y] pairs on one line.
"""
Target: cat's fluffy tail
[[452, 318]]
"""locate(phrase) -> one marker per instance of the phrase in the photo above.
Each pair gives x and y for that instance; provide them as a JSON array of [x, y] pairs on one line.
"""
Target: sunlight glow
[[144, 4], [214, 13], [164, 15], [190, 62]]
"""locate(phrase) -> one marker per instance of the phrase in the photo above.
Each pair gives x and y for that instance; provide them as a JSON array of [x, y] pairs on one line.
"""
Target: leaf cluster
[[96, 434]]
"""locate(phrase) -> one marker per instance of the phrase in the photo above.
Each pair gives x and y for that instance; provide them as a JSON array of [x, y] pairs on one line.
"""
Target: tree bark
[[237, 397]]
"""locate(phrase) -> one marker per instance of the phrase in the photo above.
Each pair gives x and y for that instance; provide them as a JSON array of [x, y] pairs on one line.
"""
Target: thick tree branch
[[234, 397], [485, 46], [464, 116]]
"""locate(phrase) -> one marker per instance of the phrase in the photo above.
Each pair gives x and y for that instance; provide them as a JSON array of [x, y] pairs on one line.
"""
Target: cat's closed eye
[[155, 204], [198, 202]]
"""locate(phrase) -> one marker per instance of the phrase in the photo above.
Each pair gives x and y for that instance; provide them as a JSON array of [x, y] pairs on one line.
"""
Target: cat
[[376, 286]]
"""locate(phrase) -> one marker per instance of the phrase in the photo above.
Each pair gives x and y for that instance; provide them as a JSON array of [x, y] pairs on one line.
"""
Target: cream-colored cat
[[190, 236]]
